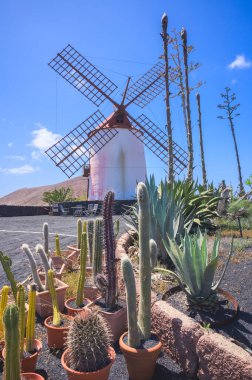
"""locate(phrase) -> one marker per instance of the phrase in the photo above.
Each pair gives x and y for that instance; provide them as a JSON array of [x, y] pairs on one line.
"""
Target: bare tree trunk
[[167, 99], [188, 109], [203, 166], [242, 191]]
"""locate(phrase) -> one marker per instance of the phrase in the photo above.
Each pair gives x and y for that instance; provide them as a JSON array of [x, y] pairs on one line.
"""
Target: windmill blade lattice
[[84, 76], [156, 140], [78, 146], [154, 78]]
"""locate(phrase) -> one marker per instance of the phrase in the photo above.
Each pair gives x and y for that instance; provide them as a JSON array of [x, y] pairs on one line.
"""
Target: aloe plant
[[196, 268]]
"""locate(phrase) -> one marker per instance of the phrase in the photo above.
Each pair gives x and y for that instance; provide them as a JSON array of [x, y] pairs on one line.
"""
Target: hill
[[33, 196]]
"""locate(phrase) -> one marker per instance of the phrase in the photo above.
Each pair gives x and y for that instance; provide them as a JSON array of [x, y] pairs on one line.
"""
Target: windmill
[[111, 149]]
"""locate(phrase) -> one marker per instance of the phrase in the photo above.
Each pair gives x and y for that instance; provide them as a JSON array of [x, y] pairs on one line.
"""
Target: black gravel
[[49, 365]]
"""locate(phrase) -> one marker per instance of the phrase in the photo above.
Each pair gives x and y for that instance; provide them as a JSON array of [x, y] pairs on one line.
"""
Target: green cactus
[[56, 312], [140, 326], [12, 359], [116, 227], [30, 324], [21, 322], [46, 264], [90, 233], [33, 266], [6, 263], [46, 238], [97, 247], [79, 233], [82, 276], [3, 304], [88, 342], [57, 246]]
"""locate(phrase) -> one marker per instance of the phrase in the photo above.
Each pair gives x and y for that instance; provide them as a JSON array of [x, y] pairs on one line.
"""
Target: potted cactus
[[12, 355], [6, 264], [43, 299], [139, 345], [3, 304], [77, 304], [113, 310], [89, 355], [56, 326], [58, 263]]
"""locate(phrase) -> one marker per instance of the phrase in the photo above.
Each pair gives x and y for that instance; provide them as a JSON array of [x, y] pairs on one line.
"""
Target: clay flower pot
[[44, 306], [56, 336], [72, 311], [29, 363], [59, 267], [31, 376], [91, 292], [117, 321], [140, 362], [101, 374]]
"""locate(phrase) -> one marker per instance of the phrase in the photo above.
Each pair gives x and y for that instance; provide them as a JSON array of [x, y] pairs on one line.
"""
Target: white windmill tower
[[111, 149]]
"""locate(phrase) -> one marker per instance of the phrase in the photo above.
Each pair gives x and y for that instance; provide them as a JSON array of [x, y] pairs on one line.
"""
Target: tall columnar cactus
[[140, 326], [12, 360], [97, 247], [46, 264], [79, 233], [90, 233], [6, 264], [46, 238], [21, 322], [109, 245], [56, 312], [30, 324], [57, 246], [88, 341], [82, 275], [33, 266], [3, 304]]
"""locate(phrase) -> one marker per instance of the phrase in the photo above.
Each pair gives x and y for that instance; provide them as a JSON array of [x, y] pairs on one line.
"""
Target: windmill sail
[[156, 140], [78, 146], [84, 76]]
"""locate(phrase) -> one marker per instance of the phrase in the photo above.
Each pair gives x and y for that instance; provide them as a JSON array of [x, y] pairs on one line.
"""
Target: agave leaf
[[189, 270], [174, 252], [171, 273], [208, 277], [224, 270]]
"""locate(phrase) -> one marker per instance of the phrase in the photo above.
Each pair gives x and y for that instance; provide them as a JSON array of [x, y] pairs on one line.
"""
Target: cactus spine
[[140, 328], [82, 276], [40, 250], [109, 244], [88, 341], [97, 247], [79, 233], [12, 363], [46, 238], [57, 246], [33, 266], [90, 234], [56, 312], [21, 322], [30, 324], [6, 263], [3, 304]]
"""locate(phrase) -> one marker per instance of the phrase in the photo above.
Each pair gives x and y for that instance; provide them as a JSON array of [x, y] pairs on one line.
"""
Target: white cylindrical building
[[118, 166]]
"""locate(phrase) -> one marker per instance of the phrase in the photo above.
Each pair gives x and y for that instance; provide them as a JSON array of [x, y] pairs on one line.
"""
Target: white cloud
[[17, 158], [10, 144], [240, 62], [42, 140], [233, 81], [25, 169]]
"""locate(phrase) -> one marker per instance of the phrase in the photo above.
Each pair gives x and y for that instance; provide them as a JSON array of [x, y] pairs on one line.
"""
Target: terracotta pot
[[91, 292], [44, 306], [31, 376], [140, 362], [29, 364], [101, 374], [117, 321], [56, 336], [73, 311]]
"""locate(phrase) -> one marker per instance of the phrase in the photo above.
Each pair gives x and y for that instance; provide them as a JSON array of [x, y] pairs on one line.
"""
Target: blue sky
[[120, 38]]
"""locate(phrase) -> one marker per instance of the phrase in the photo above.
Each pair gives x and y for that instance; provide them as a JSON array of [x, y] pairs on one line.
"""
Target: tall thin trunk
[[167, 99], [242, 191], [203, 166], [188, 108]]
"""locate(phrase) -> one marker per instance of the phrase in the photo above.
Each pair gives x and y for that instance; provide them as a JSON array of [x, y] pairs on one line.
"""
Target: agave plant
[[196, 269]]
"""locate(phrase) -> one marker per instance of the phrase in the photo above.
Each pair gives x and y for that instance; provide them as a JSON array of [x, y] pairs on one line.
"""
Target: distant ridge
[[33, 196]]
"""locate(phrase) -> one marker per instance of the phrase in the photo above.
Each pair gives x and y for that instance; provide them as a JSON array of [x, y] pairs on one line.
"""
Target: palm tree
[[203, 165], [230, 113], [62, 194]]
